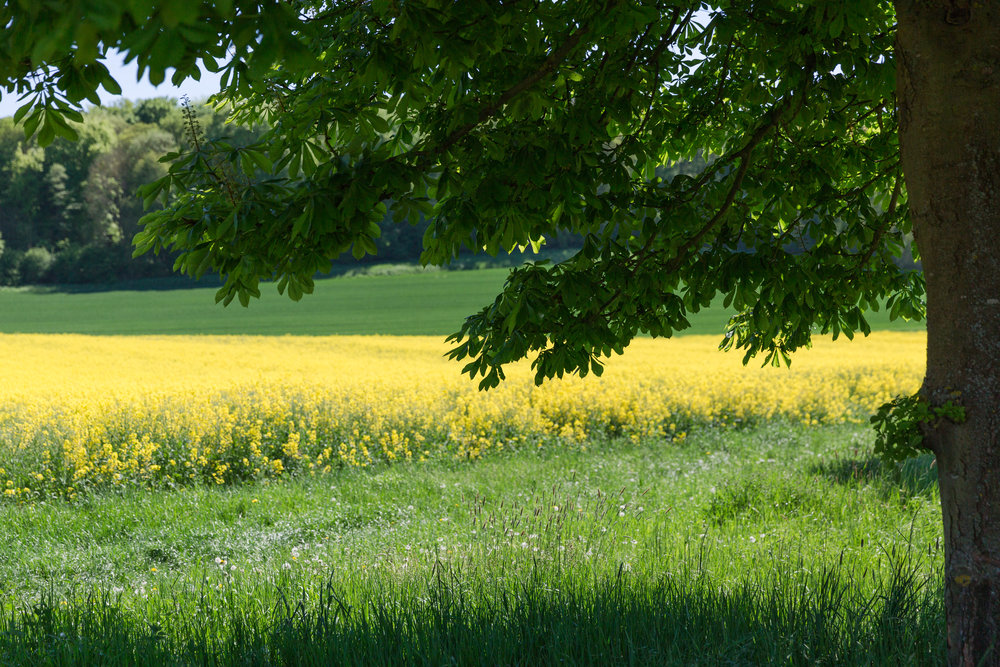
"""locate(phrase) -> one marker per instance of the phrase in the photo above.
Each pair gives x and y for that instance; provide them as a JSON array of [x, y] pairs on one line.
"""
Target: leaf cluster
[[901, 423]]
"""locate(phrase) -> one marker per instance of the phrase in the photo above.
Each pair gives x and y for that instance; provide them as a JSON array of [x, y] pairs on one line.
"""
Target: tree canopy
[[508, 123]]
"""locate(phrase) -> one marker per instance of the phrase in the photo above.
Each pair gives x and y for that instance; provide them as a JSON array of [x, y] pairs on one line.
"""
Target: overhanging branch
[[547, 67]]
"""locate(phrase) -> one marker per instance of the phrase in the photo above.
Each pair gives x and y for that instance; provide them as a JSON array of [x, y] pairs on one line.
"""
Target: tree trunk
[[948, 82]]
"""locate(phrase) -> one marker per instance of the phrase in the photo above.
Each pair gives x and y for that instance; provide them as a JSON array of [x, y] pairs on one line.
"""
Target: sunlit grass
[[387, 301], [771, 544]]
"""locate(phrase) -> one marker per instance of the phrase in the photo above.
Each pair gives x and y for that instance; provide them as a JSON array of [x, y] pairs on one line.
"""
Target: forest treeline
[[68, 211]]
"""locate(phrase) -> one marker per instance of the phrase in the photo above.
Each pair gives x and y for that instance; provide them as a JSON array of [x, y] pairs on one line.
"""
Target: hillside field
[[412, 303]]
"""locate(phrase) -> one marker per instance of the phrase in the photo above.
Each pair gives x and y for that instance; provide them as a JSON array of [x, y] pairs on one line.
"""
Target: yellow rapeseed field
[[82, 412]]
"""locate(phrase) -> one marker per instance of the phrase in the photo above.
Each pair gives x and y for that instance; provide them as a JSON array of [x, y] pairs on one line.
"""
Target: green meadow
[[387, 301], [773, 544]]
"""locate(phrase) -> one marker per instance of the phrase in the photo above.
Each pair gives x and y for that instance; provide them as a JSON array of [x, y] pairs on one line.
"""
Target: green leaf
[[302, 223], [61, 128], [32, 121], [260, 159], [47, 132], [23, 110], [836, 25]]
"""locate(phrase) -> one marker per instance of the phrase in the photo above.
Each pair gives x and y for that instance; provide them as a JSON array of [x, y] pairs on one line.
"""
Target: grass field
[[433, 302], [759, 546], [303, 500]]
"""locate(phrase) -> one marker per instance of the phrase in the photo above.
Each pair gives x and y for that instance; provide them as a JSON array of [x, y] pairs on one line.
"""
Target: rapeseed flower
[[86, 412]]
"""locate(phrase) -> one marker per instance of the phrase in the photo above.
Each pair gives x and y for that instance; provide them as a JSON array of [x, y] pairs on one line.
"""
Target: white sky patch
[[133, 88]]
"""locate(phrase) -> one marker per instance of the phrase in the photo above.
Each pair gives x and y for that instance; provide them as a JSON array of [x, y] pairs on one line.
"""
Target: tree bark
[[948, 83]]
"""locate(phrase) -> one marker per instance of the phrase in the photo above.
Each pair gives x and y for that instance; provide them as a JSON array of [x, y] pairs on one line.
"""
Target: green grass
[[432, 302], [771, 545]]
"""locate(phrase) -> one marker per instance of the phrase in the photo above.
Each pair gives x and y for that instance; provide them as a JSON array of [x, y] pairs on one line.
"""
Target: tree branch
[[487, 112], [743, 155], [890, 214]]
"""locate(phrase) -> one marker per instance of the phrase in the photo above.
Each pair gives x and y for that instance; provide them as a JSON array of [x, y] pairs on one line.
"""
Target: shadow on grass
[[825, 619], [913, 477]]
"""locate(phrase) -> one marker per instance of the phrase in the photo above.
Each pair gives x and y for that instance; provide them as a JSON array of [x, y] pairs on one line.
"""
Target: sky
[[132, 89]]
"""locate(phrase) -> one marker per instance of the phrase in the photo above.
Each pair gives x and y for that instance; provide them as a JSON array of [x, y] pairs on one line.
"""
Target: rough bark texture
[[948, 67]]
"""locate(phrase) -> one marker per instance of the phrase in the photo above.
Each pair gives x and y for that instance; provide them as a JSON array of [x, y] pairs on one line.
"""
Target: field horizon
[[389, 300]]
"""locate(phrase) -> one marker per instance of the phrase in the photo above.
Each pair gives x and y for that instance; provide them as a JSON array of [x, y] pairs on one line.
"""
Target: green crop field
[[431, 302]]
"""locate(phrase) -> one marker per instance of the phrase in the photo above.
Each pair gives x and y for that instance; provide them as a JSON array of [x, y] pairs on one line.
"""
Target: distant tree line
[[68, 211]]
